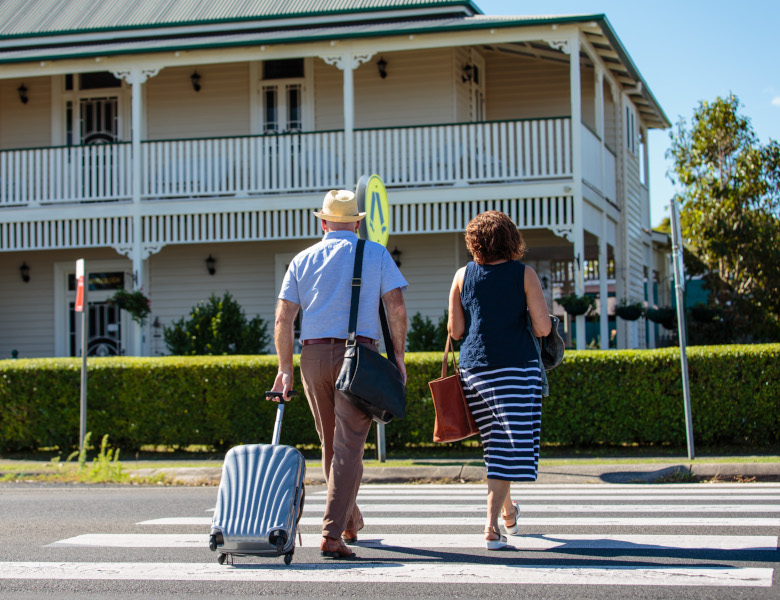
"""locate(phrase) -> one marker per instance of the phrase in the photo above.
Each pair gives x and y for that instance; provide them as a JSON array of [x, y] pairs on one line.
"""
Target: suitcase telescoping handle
[[279, 414]]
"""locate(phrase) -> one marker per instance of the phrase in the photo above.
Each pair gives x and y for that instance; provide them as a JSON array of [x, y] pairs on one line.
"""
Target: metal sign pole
[[679, 285], [82, 307]]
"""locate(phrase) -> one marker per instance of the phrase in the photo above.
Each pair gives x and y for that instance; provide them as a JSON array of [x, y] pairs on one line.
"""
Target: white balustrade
[[65, 174], [470, 152], [527, 150], [245, 165]]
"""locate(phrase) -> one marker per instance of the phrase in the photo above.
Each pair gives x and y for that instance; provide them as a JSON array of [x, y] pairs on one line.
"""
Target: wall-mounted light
[[156, 323], [396, 254], [22, 89], [468, 73], [195, 79], [381, 64], [24, 271], [210, 265]]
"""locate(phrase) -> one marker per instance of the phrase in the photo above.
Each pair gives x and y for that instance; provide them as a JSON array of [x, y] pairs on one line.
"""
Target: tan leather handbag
[[454, 420]]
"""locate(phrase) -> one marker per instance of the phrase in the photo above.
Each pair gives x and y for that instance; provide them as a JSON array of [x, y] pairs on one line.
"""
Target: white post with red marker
[[82, 307]]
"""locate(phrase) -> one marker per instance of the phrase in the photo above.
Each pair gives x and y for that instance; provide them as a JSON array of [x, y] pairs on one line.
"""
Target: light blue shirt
[[319, 280]]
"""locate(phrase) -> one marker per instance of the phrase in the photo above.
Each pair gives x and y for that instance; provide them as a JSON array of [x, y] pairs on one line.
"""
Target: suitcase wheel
[[279, 539], [221, 559], [288, 558], [212, 543]]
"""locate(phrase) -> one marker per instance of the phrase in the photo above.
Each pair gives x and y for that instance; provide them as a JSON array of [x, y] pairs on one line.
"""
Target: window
[[291, 68], [631, 129], [282, 108], [100, 281], [95, 81]]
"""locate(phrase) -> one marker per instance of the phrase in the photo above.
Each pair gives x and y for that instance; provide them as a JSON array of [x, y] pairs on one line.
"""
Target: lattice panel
[[442, 217], [231, 227], [161, 230], [69, 233]]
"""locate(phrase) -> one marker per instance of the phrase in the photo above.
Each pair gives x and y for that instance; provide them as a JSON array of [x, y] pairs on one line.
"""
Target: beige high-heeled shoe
[[491, 543]]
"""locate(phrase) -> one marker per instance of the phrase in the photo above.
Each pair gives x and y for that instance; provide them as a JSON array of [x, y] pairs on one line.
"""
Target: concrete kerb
[[461, 473]]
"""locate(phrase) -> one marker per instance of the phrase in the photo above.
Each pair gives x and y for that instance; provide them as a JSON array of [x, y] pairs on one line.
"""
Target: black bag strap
[[357, 281], [389, 348]]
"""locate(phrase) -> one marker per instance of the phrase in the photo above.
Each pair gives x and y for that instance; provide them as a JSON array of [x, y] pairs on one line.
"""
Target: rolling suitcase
[[260, 499]]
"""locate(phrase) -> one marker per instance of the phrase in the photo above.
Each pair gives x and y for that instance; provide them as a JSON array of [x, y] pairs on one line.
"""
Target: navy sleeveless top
[[493, 299]]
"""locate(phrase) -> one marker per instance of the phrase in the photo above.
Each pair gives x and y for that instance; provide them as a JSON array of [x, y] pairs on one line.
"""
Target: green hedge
[[627, 396]]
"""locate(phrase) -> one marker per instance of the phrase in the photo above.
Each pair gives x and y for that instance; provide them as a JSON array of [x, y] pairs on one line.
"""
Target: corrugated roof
[[289, 28], [41, 17], [256, 37]]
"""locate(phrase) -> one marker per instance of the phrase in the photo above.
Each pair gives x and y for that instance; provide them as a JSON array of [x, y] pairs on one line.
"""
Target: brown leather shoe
[[350, 535], [333, 548]]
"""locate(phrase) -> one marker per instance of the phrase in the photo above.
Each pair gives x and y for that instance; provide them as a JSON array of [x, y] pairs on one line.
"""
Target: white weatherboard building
[[147, 136]]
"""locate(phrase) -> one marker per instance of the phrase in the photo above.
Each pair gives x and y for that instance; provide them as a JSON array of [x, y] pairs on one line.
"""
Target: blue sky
[[687, 51]]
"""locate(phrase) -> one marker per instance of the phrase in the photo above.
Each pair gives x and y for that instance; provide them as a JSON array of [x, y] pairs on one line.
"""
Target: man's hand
[[284, 384], [399, 360]]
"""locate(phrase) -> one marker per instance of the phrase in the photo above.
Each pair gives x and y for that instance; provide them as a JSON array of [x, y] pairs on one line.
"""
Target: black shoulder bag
[[372, 382]]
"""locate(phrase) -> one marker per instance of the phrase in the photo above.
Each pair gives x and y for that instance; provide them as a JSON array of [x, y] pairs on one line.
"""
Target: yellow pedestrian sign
[[372, 199]]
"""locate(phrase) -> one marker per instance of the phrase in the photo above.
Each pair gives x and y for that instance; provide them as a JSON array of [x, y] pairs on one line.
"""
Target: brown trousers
[[342, 429]]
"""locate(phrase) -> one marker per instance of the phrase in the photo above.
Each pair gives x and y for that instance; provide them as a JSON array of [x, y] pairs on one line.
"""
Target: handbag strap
[[357, 281], [446, 353]]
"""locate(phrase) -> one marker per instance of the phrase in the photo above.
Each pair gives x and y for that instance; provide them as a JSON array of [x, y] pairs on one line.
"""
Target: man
[[319, 281]]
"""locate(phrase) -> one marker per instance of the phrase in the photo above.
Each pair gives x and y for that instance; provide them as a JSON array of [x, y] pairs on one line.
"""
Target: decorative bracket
[[139, 76], [564, 231], [343, 61], [614, 90], [146, 250], [124, 250], [149, 249], [560, 45]]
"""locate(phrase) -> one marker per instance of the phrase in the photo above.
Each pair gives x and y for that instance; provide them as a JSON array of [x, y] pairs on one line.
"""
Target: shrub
[[424, 336], [135, 303], [613, 397], [217, 326]]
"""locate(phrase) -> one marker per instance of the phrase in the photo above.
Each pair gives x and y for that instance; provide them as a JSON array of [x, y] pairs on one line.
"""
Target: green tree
[[217, 326], [730, 217], [425, 336]]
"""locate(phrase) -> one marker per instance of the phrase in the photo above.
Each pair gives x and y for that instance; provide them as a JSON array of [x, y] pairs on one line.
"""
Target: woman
[[491, 300]]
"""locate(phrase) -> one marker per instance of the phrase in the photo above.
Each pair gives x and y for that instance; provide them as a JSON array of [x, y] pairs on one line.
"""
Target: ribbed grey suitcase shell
[[260, 500]]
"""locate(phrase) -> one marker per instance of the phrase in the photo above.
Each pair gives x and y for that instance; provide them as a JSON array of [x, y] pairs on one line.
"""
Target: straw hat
[[340, 206]]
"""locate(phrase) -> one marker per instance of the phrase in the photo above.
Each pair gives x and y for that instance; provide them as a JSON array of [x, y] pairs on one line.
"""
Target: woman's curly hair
[[492, 236]]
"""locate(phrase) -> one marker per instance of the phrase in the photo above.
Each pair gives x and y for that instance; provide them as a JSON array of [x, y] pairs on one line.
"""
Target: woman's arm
[[537, 305], [456, 321]]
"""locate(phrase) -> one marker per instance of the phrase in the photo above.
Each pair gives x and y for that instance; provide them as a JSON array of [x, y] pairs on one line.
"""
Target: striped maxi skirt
[[507, 405]]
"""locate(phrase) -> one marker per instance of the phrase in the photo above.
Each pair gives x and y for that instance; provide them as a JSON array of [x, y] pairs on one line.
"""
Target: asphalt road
[[589, 541]]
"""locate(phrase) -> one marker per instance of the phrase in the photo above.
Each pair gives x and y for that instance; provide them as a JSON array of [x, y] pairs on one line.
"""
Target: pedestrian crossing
[[655, 530]]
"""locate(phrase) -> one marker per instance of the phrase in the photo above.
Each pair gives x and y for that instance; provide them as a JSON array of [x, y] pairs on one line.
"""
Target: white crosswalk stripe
[[402, 540], [565, 508], [478, 521], [405, 574], [595, 511]]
